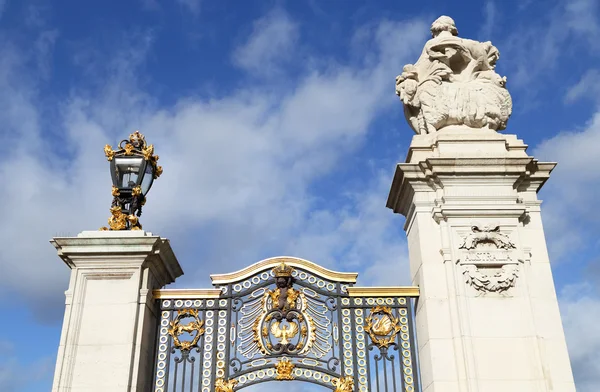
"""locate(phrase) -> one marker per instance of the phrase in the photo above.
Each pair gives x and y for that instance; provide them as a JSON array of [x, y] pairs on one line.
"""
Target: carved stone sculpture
[[486, 235], [454, 83], [487, 264]]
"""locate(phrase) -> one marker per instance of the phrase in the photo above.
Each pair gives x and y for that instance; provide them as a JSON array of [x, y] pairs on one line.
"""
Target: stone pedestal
[[487, 317], [109, 328]]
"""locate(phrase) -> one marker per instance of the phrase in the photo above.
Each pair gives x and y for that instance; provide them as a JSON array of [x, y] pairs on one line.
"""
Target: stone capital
[[107, 250], [463, 172]]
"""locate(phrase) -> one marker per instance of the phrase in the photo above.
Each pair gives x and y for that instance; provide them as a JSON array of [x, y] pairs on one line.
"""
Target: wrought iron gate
[[286, 319]]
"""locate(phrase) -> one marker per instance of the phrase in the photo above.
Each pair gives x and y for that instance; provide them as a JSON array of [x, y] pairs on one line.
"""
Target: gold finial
[[108, 151]]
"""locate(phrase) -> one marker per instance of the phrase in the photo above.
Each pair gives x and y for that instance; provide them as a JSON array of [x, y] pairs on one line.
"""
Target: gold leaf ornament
[[117, 220], [221, 385], [382, 326], [129, 149], [148, 152], [343, 384], [284, 369], [108, 151], [176, 329]]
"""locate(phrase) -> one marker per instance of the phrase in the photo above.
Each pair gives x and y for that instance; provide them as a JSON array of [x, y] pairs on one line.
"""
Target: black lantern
[[133, 169]]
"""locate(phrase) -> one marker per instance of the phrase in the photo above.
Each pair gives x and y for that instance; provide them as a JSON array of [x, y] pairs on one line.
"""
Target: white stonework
[[487, 318], [454, 83], [109, 328]]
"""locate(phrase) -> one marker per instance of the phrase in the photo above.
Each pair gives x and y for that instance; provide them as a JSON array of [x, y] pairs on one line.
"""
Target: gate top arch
[[286, 318]]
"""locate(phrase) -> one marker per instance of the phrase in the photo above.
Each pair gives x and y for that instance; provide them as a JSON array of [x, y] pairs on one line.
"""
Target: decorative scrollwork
[[176, 329], [382, 326], [343, 384], [222, 385], [284, 369], [333, 363]]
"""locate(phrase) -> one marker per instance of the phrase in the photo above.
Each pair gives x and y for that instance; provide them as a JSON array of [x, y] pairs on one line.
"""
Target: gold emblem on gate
[[284, 369], [195, 328], [281, 320], [382, 326], [284, 333]]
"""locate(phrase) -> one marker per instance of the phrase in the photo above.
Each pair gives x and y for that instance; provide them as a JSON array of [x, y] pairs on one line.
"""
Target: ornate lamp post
[[133, 169]]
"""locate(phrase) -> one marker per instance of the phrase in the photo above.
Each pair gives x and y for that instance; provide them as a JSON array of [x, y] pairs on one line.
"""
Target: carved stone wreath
[[500, 281], [488, 265]]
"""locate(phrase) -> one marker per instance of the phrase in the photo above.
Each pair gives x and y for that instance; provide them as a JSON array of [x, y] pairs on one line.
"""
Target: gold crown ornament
[[283, 271]]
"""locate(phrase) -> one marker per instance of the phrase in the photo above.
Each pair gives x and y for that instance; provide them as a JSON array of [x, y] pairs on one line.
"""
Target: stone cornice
[[124, 250], [439, 175]]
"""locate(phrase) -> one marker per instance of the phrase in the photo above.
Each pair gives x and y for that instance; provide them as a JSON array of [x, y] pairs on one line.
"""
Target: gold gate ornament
[[343, 384], [284, 369], [382, 326], [176, 329], [225, 386]]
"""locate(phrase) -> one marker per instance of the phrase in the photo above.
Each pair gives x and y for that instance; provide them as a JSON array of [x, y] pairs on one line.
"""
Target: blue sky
[[278, 129]]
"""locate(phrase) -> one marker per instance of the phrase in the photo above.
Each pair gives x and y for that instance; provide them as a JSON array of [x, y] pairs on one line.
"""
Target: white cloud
[[149, 5], [270, 45], [573, 187], [44, 46], [361, 235], [582, 17], [580, 309], [587, 87], [15, 375], [488, 27], [237, 168], [534, 49], [192, 6]]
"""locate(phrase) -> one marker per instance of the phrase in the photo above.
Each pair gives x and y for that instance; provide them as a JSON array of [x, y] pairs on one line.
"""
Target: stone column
[[487, 317], [109, 327]]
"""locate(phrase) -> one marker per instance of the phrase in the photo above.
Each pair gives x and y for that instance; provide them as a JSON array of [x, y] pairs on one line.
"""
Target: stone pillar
[[487, 317], [109, 327]]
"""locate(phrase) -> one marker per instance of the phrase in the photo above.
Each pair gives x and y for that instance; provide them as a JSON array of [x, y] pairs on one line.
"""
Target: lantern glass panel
[[147, 179], [127, 171]]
